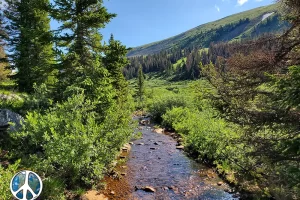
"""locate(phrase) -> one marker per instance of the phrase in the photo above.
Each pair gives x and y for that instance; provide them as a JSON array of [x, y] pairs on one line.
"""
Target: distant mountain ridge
[[244, 25]]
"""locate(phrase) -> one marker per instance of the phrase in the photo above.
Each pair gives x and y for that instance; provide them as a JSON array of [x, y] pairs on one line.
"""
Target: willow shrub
[[67, 143], [161, 105], [206, 135]]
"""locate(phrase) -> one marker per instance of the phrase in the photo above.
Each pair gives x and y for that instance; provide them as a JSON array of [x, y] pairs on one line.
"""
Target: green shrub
[[6, 175], [67, 141], [13, 104], [206, 135], [161, 105], [53, 189]]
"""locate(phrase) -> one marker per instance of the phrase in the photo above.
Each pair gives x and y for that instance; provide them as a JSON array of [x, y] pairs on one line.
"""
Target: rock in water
[[179, 147], [149, 189], [7, 117]]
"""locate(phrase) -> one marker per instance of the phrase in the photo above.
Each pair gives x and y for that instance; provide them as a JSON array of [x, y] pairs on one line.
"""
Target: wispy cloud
[[241, 2], [217, 7]]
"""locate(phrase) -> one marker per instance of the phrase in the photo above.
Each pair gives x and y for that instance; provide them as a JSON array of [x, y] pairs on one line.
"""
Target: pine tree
[[141, 84], [114, 61], [82, 65], [30, 42]]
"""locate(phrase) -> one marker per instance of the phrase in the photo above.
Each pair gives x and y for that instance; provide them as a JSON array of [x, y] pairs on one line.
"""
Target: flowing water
[[155, 161]]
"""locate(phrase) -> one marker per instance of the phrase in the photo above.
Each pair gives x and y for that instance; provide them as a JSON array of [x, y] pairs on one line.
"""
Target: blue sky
[[139, 22]]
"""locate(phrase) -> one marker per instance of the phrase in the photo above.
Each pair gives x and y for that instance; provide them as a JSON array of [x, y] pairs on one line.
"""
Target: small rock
[[124, 149], [152, 148], [220, 183], [237, 195], [231, 191], [149, 189], [112, 193], [122, 157], [155, 143], [123, 174], [131, 143], [141, 143], [124, 167], [180, 147], [159, 158], [166, 188]]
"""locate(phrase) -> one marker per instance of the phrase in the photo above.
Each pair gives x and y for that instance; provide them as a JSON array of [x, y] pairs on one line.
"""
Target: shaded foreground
[[154, 163]]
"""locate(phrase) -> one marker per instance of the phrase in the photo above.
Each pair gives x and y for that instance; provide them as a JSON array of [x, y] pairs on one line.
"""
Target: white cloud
[[217, 7], [241, 2]]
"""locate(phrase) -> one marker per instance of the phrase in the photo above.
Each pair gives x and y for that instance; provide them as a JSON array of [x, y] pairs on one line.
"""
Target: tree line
[[183, 64]]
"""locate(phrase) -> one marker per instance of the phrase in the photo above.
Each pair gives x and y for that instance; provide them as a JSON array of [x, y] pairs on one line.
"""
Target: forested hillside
[[180, 56], [246, 25]]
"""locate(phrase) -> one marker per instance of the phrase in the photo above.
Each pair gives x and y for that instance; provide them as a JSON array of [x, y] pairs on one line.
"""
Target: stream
[[153, 168]]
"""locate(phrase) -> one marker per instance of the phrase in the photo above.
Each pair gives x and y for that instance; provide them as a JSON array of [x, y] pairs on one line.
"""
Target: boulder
[[7, 117]]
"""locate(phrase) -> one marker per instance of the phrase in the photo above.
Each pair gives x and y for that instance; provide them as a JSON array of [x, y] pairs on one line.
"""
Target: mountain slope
[[245, 25]]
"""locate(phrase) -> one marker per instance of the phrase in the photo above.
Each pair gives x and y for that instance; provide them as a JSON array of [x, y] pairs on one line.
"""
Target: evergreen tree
[[141, 84], [29, 43], [114, 61], [82, 65]]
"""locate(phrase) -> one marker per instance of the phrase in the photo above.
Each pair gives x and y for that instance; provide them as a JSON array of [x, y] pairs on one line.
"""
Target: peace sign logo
[[26, 185]]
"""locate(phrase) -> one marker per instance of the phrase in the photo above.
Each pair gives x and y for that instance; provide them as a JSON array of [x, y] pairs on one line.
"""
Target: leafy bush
[[13, 104], [161, 105], [66, 141], [206, 134], [6, 175]]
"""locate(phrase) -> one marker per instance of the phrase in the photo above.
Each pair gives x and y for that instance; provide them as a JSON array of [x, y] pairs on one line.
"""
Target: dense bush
[[206, 135], [6, 175], [159, 106], [67, 142]]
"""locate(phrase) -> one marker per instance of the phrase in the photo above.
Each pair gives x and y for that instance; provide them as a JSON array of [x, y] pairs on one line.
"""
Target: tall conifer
[[84, 66], [29, 42], [114, 61]]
